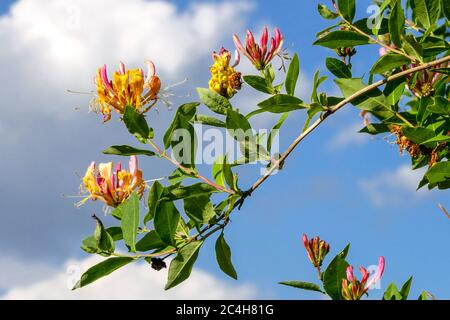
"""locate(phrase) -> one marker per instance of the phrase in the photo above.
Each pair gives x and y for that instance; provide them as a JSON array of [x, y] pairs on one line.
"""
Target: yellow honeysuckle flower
[[112, 186], [127, 88], [225, 80]]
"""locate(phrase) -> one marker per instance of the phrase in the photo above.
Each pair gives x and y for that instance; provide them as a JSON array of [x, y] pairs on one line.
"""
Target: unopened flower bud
[[316, 249]]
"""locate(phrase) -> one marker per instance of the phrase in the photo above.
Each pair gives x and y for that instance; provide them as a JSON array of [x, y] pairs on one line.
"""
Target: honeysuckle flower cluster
[[112, 186], [224, 79], [422, 84], [404, 143], [354, 289], [127, 88], [260, 54], [317, 249]]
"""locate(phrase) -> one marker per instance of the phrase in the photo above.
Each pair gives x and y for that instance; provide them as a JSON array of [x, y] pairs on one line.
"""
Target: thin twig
[[444, 210], [187, 170]]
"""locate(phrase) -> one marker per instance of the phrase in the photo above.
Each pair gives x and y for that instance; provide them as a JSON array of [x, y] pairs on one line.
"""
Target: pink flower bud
[[133, 165], [305, 240], [378, 273], [349, 273]]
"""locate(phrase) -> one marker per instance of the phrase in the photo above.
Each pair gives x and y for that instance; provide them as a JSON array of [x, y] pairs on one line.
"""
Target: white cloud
[[135, 281], [393, 187], [349, 136], [54, 45]]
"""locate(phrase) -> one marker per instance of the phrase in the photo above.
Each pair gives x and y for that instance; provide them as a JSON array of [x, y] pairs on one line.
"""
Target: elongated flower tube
[[260, 54], [224, 79], [354, 289], [317, 249], [127, 88], [112, 186]]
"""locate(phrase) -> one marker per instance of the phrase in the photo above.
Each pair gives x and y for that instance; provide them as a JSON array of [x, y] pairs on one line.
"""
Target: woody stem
[[162, 154]]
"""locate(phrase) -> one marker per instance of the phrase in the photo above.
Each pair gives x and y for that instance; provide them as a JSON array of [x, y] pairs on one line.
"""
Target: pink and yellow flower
[[260, 54], [112, 186], [127, 88], [422, 84], [317, 249], [354, 289], [224, 79]]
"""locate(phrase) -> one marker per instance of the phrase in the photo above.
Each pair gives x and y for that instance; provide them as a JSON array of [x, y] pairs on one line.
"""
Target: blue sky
[[340, 185]]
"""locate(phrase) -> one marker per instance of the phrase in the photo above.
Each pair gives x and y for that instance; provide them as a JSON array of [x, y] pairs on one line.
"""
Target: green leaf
[[347, 9], [130, 220], [184, 143], [178, 176], [434, 46], [214, 101], [388, 62], [89, 245], [236, 120], [312, 111], [166, 221], [217, 171], [150, 241], [373, 101], [281, 103], [274, 131], [127, 151], [404, 291], [341, 39], [221, 171], [292, 75], [316, 83], [397, 24], [137, 125], [394, 90], [259, 83], [184, 114], [199, 209], [426, 12], [381, 28], [302, 285], [446, 8], [181, 267], [103, 239], [438, 138], [326, 13], [208, 121], [412, 47], [338, 68], [154, 195], [440, 106], [439, 172], [102, 269], [423, 296], [101, 242], [240, 129], [392, 293], [333, 275], [223, 257], [418, 135], [115, 233], [173, 193], [375, 128]]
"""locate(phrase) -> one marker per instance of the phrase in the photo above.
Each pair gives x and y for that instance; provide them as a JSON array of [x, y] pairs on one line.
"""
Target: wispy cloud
[[392, 187], [349, 136]]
